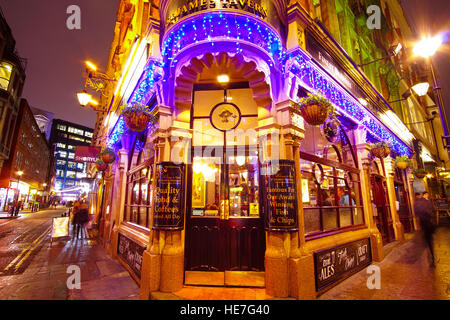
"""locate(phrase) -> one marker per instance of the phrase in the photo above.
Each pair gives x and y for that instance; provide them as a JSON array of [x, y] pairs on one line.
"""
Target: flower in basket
[[330, 130], [402, 162], [108, 155], [381, 149], [420, 173], [101, 165], [315, 109], [137, 117]]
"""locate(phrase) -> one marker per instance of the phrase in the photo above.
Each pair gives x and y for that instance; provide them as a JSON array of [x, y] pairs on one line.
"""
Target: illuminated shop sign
[[327, 62], [185, 8]]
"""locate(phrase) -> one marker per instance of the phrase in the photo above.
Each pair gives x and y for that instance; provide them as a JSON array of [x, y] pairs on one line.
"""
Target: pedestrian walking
[[80, 217], [423, 209], [17, 208]]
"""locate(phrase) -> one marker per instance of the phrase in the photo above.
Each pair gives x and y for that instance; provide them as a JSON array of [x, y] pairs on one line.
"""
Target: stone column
[[412, 197], [390, 171], [276, 255], [172, 257], [362, 152], [119, 202]]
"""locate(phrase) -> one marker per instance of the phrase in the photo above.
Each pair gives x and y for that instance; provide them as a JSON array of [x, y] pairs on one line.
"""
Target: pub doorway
[[225, 237], [380, 204]]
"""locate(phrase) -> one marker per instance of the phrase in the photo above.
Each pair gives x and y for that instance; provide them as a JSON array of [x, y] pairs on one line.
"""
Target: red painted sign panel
[[86, 153]]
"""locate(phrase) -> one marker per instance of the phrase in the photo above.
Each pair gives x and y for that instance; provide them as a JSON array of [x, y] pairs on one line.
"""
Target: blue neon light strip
[[217, 26], [313, 78]]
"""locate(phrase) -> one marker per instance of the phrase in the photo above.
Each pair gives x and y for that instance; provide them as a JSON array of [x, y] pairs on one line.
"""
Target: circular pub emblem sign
[[225, 116]]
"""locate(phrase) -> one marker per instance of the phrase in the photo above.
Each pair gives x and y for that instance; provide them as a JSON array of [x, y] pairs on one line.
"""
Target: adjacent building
[[44, 120], [65, 137], [28, 172], [12, 78], [230, 185]]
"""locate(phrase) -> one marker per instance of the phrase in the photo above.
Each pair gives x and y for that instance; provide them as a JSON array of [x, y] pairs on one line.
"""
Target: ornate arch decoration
[[188, 73]]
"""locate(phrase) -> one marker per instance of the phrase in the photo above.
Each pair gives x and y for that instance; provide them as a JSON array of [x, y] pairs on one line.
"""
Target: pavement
[[46, 268], [32, 268]]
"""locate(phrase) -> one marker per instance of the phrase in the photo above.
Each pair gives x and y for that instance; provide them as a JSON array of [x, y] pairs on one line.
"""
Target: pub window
[[331, 190], [139, 190]]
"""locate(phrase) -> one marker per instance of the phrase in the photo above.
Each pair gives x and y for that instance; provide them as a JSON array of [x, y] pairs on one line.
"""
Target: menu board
[[279, 196], [169, 196], [131, 253], [340, 262]]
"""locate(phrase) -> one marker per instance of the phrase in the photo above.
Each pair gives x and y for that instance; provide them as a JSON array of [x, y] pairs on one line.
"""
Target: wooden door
[[383, 217], [224, 227]]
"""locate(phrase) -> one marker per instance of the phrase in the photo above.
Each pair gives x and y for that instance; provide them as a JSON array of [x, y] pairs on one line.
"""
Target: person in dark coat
[[81, 216], [423, 209]]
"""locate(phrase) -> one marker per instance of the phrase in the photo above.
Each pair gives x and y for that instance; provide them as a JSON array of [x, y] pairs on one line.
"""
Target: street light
[[426, 48], [94, 80]]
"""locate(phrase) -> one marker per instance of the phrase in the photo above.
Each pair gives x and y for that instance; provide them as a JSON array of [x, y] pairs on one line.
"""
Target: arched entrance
[[225, 237]]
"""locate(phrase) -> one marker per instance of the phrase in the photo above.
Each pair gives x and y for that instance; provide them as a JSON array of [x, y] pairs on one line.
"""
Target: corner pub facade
[[230, 187]]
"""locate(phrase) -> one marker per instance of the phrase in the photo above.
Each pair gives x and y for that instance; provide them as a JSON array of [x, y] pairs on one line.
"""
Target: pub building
[[229, 186]]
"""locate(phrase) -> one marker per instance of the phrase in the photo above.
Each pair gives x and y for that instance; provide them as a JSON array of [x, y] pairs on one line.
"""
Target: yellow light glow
[[90, 65], [19, 173], [363, 101], [84, 98], [223, 78], [396, 125], [93, 102], [429, 176], [428, 46], [421, 89]]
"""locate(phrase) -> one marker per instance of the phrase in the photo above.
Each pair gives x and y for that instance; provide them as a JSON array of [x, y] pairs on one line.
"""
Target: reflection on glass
[[244, 186], [206, 186]]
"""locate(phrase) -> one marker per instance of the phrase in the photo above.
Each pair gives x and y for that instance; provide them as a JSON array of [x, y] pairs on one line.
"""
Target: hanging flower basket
[[315, 109], [108, 155], [421, 173], [402, 162], [381, 150], [100, 165], [137, 117]]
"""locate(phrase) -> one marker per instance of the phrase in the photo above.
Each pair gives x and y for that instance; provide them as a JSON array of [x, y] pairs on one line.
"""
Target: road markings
[[27, 251]]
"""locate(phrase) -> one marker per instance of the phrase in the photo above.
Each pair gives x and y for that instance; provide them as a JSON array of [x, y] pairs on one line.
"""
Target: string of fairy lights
[[217, 29]]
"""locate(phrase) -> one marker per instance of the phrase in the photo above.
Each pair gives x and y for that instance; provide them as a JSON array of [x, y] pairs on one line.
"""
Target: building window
[[61, 145], [60, 173], [71, 155], [61, 127], [88, 134], [70, 147], [76, 138], [61, 163], [76, 131], [72, 165], [23, 138], [62, 154], [80, 166], [5, 75], [139, 195], [71, 174], [332, 198]]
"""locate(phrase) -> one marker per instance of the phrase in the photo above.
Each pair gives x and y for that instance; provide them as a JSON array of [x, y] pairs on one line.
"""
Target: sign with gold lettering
[[279, 195], [340, 262], [131, 253], [169, 196], [180, 9]]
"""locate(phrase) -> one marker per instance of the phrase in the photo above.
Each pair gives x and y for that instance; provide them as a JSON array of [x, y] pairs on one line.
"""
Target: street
[[33, 269]]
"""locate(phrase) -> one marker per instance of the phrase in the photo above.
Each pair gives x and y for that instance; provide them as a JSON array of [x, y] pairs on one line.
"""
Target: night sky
[[55, 54]]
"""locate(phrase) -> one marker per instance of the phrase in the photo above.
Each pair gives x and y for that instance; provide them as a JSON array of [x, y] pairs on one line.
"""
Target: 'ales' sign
[[131, 253], [280, 195], [340, 262], [169, 196]]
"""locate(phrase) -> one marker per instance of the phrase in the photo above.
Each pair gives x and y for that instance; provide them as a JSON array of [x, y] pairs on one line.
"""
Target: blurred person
[[423, 209]]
